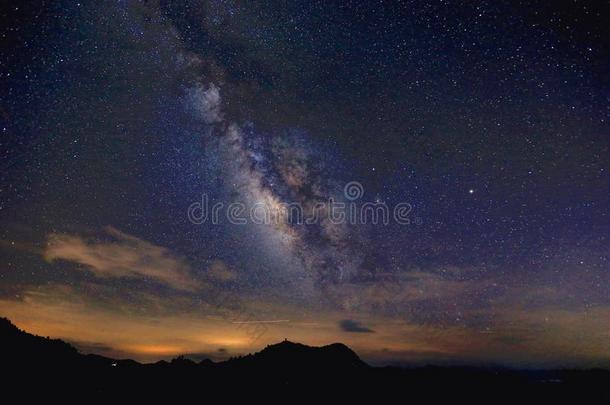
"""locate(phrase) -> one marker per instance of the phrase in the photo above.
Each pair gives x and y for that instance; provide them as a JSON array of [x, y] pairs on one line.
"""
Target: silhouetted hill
[[288, 355], [38, 367], [16, 342]]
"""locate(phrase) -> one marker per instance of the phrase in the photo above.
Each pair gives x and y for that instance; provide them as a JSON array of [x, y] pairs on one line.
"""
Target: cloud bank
[[122, 256]]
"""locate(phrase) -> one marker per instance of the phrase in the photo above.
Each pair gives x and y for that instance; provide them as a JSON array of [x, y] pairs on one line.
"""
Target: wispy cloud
[[219, 271], [349, 325], [122, 256]]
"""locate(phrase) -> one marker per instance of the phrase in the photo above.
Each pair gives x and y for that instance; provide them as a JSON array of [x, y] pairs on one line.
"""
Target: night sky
[[489, 120]]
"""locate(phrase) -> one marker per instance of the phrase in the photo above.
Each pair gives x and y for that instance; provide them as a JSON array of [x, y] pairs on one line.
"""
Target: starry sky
[[489, 120]]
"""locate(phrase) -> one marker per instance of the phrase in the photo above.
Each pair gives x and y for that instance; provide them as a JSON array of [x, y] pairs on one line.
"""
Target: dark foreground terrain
[[34, 366]]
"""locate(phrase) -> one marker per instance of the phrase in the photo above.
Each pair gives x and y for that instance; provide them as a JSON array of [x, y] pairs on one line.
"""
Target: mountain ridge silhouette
[[56, 369]]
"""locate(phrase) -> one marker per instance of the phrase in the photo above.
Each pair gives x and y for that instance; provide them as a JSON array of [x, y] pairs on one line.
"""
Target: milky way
[[488, 120]]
